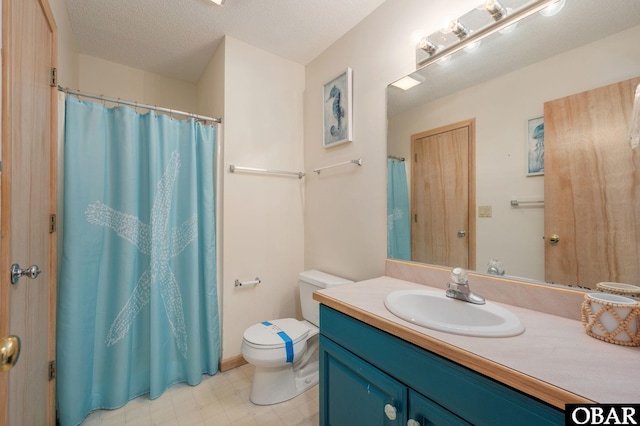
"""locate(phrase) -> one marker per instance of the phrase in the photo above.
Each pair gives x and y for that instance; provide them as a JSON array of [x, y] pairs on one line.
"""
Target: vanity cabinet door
[[353, 392], [425, 412], [478, 399]]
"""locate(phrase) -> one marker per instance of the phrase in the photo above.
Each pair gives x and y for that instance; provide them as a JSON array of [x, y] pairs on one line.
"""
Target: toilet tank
[[309, 282]]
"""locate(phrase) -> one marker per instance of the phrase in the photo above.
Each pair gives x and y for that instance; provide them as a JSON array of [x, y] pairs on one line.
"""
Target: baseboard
[[232, 362]]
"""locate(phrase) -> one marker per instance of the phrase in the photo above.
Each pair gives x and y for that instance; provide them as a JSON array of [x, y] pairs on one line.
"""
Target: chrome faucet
[[495, 267], [458, 288]]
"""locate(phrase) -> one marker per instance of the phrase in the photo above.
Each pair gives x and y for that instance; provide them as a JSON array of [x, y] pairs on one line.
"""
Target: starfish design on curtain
[[161, 244]]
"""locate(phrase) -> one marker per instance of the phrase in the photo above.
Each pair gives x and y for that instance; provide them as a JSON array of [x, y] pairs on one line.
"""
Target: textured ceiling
[[176, 38]]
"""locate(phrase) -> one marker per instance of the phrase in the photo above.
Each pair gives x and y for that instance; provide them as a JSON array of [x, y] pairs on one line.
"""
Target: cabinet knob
[[390, 411], [412, 422]]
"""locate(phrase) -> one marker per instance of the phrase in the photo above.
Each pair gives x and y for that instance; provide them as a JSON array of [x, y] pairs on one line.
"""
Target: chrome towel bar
[[516, 203], [357, 162], [234, 169]]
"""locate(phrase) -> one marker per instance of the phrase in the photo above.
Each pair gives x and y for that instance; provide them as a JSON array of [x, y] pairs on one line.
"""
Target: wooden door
[[443, 196], [27, 308], [592, 188]]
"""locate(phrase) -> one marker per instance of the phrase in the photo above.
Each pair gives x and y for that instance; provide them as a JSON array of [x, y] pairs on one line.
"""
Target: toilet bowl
[[285, 351]]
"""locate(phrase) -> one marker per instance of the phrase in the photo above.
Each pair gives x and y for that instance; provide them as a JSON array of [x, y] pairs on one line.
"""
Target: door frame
[[5, 198], [471, 202]]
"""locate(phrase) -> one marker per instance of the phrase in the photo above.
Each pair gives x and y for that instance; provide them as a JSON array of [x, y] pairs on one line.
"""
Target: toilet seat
[[266, 335]]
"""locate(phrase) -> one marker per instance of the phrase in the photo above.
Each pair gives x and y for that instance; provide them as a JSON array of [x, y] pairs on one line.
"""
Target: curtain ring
[[171, 114]]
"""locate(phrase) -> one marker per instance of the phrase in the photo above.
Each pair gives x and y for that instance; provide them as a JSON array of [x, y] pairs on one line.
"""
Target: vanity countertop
[[554, 360]]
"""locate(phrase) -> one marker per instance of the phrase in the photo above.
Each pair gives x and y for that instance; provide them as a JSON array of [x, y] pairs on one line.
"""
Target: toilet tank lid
[[322, 279]]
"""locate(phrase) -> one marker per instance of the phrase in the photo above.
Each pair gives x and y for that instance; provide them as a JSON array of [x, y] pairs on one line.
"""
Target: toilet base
[[275, 385]]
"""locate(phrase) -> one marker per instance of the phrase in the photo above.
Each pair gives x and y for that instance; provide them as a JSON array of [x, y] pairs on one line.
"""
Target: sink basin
[[434, 310]]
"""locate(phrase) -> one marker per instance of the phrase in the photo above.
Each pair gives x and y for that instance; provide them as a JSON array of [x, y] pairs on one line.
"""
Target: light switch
[[484, 211]]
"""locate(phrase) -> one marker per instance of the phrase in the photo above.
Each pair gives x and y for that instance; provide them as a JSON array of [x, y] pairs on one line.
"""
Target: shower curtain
[[398, 225], [137, 296]]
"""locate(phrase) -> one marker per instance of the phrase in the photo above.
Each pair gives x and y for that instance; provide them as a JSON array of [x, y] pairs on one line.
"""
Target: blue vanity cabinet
[[356, 393], [353, 392], [425, 412], [366, 373]]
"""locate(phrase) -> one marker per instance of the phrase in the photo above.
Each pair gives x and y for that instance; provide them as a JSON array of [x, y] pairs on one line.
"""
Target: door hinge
[[52, 370], [53, 225], [53, 77]]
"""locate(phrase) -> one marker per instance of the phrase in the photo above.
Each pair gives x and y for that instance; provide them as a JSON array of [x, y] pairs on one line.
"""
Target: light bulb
[[553, 8], [428, 46], [458, 29], [495, 9]]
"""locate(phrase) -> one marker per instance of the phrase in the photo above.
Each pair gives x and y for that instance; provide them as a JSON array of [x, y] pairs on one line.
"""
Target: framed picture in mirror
[[535, 146], [337, 110]]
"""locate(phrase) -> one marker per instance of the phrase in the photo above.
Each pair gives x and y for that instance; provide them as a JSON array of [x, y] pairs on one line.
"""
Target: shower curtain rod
[[137, 105]]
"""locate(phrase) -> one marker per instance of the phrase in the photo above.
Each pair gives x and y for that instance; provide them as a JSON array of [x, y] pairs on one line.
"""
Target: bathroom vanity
[[379, 369]]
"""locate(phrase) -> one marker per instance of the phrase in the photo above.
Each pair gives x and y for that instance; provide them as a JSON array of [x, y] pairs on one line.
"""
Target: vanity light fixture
[[431, 49], [498, 12], [428, 46], [470, 38], [495, 9], [458, 29], [219, 2]]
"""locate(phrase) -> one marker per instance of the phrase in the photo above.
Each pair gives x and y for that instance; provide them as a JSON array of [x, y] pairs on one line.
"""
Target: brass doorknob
[[9, 352], [554, 239]]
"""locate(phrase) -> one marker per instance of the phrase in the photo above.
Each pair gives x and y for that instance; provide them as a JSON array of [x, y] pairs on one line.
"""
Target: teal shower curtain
[[398, 225], [137, 296]]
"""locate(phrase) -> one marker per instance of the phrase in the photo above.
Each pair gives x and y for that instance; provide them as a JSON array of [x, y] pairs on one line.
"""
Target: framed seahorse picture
[[337, 110], [535, 146]]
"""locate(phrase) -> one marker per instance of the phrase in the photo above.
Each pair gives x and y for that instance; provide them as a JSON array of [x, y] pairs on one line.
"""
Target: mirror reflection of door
[[443, 195], [593, 201], [27, 308]]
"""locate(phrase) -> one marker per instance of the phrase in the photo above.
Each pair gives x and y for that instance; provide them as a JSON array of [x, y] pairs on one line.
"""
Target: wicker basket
[[619, 288], [611, 318]]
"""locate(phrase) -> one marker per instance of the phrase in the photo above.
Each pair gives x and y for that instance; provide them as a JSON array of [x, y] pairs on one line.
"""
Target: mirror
[[502, 86]]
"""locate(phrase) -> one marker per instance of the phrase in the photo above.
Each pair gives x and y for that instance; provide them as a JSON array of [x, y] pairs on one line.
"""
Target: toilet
[[285, 351]]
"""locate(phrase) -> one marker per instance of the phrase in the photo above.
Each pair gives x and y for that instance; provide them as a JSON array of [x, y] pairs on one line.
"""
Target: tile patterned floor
[[220, 400]]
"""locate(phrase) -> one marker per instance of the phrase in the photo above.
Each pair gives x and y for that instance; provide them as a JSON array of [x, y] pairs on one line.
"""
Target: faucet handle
[[459, 276]]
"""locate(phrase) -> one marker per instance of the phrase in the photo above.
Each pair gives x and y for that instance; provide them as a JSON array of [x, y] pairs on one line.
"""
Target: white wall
[[346, 219], [114, 80], [68, 66], [263, 233], [501, 108], [210, 87]]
